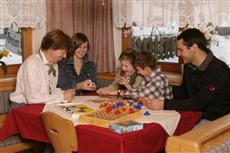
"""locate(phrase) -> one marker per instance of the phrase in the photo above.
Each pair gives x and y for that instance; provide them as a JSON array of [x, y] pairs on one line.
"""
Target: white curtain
[[214, 11], [163, 12], [25, 13]]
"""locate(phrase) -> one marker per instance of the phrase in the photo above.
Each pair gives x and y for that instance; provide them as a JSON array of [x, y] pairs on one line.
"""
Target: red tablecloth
[[91, 139]]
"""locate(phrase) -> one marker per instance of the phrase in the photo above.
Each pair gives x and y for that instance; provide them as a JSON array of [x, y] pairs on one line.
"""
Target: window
[[26, 45], [220, 46], [164, 38], [162, 43], [10, 39]]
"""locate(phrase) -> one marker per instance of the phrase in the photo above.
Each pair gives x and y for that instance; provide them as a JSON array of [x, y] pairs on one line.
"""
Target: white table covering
[[166, 118]]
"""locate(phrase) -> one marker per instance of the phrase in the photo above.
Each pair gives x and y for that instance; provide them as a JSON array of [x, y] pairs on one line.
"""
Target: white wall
[[117, 44], [38, 34]]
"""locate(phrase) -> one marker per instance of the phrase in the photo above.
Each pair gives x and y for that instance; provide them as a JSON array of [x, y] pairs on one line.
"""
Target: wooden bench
[[105, 78], [208, 137], [14, 143]]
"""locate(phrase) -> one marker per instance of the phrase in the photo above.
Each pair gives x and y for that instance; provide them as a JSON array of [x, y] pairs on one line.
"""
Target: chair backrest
[[61, 132]]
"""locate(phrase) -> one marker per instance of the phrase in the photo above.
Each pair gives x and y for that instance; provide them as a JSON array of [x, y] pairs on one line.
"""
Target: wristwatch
[[118, 93]]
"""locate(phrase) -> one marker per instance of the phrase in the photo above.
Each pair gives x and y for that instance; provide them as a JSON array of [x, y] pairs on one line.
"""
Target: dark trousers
[[15, 105]]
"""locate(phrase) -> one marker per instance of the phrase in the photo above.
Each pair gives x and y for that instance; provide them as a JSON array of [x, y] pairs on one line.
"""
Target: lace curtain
[[163, 12], [25, 13]]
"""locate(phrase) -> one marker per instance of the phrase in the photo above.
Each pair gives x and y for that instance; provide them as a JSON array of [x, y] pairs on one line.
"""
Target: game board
[[74, 109], [112, 111]]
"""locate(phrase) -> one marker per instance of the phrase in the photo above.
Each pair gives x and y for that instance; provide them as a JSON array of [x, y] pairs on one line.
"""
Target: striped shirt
[[155, 86]]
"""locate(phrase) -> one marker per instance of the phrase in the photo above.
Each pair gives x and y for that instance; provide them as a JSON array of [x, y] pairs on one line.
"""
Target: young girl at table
[[77, 70], [127, 77], [156, 84]]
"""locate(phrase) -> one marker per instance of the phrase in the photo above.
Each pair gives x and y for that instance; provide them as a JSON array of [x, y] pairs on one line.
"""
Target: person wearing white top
[[38, 75]]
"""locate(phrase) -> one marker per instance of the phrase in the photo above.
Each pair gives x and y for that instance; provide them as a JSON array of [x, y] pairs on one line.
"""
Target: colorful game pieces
[[147, 113]]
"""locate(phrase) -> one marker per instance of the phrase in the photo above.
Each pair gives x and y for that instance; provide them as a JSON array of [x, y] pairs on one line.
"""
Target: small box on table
[[125, 127]]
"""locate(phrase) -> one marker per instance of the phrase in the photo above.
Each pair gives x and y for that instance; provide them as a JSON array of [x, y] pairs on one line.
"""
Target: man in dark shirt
[[206, 80]]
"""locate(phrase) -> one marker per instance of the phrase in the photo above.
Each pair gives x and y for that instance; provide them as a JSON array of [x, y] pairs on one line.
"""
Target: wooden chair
[[61, 132]]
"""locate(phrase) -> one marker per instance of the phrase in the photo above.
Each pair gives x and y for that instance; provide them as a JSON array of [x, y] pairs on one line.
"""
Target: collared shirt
[[206, 62], [68, 78], [155, 86], [34, 85]]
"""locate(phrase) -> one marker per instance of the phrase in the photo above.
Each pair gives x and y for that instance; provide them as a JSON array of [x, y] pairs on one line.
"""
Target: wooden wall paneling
[[7, 84], [126, 39], [170, 67], [27, 42]]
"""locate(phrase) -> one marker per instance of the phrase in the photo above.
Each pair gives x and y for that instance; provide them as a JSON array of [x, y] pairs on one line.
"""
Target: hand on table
[[154, 104], [69, 94], [113, 92], [104, 91], [101, 91]]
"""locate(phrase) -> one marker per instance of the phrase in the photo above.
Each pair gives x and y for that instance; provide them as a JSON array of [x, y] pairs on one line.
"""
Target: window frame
[[165, 66], [26, 51]]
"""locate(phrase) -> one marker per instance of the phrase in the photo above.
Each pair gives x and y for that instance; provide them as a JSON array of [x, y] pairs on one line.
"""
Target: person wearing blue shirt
[[77, 70]]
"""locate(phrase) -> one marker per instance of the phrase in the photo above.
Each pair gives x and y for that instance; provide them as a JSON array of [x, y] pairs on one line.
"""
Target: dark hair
[[144, 59], [194, 36], [56, 39], [128, 54], [77, 40]]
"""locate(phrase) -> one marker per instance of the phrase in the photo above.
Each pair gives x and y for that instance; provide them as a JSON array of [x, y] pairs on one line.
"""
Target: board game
[[112, 111], [74, 109], [70, 111]]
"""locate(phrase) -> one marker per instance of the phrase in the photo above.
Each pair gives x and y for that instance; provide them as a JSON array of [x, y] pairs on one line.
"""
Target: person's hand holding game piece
[[86, 85]]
